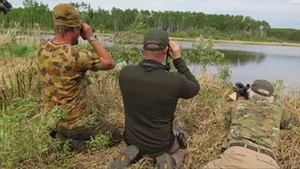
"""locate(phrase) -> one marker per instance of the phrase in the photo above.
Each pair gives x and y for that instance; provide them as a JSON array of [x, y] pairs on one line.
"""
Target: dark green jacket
[[150, 94]]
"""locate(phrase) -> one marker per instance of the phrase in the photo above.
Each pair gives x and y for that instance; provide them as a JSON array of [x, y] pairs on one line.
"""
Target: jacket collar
[[150, 65]]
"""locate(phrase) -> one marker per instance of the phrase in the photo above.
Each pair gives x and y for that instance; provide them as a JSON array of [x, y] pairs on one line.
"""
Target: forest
[[36, 14]]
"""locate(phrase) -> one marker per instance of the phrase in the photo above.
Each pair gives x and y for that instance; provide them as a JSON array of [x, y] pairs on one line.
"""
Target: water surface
[[250, 62]]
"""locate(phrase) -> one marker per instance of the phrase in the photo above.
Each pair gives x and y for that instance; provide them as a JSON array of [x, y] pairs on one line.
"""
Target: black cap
[[156, 40]]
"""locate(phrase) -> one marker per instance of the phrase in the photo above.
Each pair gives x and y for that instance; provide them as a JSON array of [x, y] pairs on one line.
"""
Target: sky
[[279, 13]]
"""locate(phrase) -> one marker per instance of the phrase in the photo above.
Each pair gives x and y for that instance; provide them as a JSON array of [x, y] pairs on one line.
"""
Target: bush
[[18, 49], [204, 54]]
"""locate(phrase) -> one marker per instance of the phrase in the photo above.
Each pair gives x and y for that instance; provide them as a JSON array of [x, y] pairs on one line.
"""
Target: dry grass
[[201, 117], [289, 151], [18, 77]]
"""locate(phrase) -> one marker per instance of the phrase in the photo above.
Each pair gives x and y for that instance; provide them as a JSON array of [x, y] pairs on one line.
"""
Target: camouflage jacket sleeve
[[87, 60], [227, 123], [227, 120], [288, 120], [228, 115]]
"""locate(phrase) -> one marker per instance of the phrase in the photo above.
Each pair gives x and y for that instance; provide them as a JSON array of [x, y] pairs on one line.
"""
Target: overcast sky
[[279, 13]]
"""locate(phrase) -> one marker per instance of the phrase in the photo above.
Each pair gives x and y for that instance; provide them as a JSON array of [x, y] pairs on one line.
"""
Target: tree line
[[178, 23]]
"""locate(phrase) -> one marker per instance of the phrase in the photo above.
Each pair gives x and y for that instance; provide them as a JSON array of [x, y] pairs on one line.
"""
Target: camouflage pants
[[239, 157], [82, 134]]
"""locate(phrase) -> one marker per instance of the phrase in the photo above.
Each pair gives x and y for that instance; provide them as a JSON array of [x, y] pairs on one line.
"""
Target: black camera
[[241, 89], [5, 6]]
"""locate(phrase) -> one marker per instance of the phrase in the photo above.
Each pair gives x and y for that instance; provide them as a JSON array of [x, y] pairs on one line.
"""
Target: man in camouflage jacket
[[62, 67], [254, 130]]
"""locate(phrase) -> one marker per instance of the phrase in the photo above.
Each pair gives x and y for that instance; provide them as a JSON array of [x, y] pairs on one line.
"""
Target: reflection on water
[[242, 58], [249, 66]]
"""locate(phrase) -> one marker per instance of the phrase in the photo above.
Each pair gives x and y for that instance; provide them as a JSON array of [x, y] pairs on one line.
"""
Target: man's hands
[[175, 50], [86, 31]]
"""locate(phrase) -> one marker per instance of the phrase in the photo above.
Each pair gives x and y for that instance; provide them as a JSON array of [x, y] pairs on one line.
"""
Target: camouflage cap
[[156, 40], [66, 15], [262, 87]]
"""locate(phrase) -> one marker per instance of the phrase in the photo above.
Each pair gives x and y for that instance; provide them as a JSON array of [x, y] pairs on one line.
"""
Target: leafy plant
[[224, 73], [204, 54]]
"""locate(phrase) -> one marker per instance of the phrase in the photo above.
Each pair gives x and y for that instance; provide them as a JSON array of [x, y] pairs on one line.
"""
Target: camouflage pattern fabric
[[66, 15], [62, 69], [257, 122]]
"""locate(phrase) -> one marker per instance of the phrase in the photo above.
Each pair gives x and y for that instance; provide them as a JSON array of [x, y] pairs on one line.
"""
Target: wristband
[[92, 39]]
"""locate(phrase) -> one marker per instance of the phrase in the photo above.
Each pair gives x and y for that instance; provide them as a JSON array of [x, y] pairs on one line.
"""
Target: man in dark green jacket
[[150, 94]]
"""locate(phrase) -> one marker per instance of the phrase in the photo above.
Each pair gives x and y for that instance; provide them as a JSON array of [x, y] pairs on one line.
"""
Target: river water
[[250, 62]]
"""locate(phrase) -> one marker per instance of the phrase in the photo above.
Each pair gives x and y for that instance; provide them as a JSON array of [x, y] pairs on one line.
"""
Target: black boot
[[165, 161], [131, 155], [116, 137]]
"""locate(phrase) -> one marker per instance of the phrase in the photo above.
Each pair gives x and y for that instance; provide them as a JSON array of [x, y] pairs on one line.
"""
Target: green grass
[[22, 49], [23, 133], [100, 141], [18, 49]]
